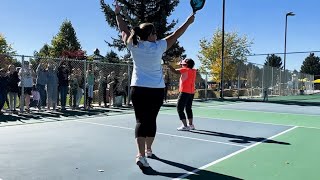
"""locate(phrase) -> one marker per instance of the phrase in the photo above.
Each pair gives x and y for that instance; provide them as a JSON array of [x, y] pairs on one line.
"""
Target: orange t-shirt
[[187, 80]]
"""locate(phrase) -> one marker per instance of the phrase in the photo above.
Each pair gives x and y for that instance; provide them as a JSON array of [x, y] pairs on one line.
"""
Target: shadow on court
[[237, 138], [201, 174], [55, 115]]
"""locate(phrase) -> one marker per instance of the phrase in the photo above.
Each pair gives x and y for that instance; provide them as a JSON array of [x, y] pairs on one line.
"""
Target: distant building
[[96, 57]]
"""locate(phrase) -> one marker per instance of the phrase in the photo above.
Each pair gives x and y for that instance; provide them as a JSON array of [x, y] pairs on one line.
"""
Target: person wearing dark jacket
[[63, 78], [13, 89], [3, 88]]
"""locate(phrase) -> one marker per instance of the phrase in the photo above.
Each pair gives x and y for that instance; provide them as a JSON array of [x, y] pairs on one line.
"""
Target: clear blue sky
[[29, 24]]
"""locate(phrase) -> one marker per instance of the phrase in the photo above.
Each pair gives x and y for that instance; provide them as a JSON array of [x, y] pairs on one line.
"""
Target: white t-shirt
[[147, 58]]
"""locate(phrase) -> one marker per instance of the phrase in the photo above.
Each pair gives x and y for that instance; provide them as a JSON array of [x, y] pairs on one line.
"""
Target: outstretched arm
[[176, 71], [123, 27], [171, 39]]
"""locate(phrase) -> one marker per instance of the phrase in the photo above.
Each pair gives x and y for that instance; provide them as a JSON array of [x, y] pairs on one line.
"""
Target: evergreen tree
[[273, 61], [136, 12], [45, 51], [112, 57], [66, 42], [311, 65]]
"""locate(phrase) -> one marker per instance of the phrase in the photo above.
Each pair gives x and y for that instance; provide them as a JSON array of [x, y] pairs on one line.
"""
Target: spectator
[[110, 85], [81, 85], [125, 87], [102, 88], [13, 89], [74, 85], [26, 76], [35, 98], [52, 86], [41, 82], [90, 84], [3, 88], [63, 78], [167, 83]]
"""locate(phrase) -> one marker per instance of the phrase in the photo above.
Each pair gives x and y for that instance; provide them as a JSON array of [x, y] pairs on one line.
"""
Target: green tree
[[45, 51], [6, 52], [136, 12], [112, 57], [236, 49], [273, 61], [311, 65], [65, 41]]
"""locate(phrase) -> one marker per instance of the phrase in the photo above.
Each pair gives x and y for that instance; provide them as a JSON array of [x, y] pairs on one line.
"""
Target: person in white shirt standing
[[26, 76], [147, 84]]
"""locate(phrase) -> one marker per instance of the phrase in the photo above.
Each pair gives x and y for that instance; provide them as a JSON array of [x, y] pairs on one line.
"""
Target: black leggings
[[185, 102], [147, 103]]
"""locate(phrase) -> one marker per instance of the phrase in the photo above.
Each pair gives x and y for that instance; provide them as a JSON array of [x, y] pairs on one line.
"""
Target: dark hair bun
[[190, 63]]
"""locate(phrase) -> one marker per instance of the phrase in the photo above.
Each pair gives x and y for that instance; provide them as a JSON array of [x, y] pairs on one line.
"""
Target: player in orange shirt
[[187, 90]]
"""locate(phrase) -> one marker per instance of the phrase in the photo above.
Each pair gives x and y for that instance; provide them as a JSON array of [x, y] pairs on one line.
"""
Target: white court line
[[259, 111], [232, 154], [165, 134], [224, 119], [229, 104]]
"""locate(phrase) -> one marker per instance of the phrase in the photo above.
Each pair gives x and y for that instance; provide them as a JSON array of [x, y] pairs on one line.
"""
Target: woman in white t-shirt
[[147, 84], [26, 76]]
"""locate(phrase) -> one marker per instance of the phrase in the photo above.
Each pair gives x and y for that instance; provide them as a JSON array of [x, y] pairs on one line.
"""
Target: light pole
[[285, 44], [222, 51]]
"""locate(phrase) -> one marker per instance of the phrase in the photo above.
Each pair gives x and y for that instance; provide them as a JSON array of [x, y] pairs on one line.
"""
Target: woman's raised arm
[[122, 25], [172, 38]]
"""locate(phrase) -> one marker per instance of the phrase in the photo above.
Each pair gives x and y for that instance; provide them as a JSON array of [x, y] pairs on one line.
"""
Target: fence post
[[251, 75], [271, 81], [22, 85], [206, 87], [85, 84], [128, 89], [262, 85], [280, 83]]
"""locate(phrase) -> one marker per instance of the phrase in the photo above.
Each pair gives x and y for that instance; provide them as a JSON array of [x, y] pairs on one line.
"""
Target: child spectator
[[35, 102]]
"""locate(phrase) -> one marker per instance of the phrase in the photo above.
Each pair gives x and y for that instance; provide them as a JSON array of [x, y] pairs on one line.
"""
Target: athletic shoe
[[149, 153], [191, 127], [142, 162], [183, 128]]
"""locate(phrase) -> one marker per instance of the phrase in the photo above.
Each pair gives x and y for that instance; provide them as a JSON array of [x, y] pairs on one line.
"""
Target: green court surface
[[265, 161], [270, 161], [312, 121]]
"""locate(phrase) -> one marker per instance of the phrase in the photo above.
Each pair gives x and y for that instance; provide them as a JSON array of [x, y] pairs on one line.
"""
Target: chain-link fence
[[60, 83], [51, 83], [249, 80]]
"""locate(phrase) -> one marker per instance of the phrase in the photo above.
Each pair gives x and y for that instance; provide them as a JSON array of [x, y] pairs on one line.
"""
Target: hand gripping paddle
[[197, 4]]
